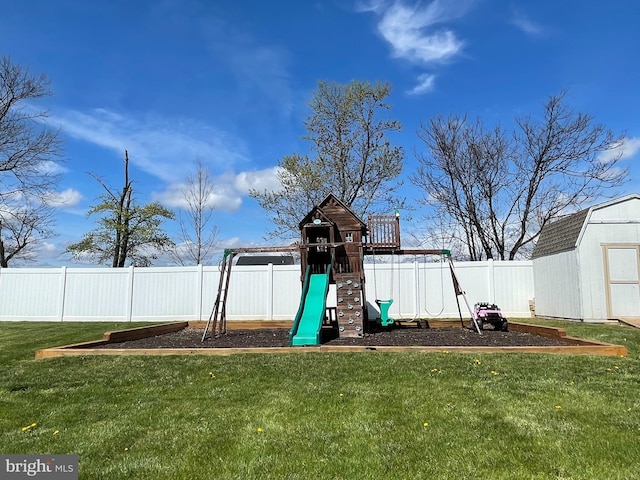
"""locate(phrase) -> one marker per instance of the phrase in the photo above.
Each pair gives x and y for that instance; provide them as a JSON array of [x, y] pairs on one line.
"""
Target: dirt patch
[[411, 336]]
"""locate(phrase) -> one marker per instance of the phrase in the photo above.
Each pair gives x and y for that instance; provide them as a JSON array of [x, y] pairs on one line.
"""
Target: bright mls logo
[[50, 467]]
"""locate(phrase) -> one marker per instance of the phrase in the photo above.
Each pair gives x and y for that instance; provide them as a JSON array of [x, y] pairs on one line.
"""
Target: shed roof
[[564, 234], [560, 235]]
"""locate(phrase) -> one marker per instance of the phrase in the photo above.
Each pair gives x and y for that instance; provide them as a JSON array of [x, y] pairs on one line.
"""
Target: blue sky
[[229, 81]]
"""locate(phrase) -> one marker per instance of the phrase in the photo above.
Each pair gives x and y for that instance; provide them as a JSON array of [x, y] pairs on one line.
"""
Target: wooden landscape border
[[575, 346]]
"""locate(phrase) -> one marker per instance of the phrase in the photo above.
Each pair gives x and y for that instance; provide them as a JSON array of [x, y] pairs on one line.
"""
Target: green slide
[[308, 322]]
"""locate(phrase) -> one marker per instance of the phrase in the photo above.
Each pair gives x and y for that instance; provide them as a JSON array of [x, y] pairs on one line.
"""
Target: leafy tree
[[352, 156], [197, 231], [127, 231], [493, 191], [28, 154]]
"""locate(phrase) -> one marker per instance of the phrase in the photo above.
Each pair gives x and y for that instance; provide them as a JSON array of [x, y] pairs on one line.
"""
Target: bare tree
[[21, 229], [352, 157], [198, 233], [127, 231], [497, 190], [27, 152]]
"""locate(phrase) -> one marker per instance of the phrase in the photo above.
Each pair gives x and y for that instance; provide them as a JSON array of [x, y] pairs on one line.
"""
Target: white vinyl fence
[[272, 292]]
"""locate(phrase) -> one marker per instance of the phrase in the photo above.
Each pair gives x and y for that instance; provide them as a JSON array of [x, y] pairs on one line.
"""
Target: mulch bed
[[409, 336]]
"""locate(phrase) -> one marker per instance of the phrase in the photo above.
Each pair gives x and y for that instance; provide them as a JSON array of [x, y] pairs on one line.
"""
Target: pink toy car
[[485, 312]]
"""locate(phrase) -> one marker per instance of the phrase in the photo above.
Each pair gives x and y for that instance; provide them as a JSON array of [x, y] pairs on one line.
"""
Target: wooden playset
[[333, 245]]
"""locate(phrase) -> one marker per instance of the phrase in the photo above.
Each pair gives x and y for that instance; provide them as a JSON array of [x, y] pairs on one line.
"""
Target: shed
[[586, 266]]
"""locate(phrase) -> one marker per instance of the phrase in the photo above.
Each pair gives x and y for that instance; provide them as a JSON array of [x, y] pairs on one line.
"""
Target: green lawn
[[306, 416]]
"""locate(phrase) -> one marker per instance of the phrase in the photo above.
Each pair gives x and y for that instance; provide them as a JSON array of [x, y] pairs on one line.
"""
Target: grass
[[345, 415]]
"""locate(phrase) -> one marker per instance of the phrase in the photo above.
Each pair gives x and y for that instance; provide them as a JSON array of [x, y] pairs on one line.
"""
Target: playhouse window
[[348, 237], [320, 248]]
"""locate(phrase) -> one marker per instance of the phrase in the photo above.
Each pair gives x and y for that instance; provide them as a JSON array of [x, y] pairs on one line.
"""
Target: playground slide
[[308, 322]]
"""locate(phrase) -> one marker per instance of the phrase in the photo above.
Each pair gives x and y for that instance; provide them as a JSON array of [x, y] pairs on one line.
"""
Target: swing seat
[[384, 305]]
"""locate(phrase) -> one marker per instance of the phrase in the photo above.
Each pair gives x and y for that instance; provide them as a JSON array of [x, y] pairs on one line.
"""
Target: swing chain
[[441, 287]]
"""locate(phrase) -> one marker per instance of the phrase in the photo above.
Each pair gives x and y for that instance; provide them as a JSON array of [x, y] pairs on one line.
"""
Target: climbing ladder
[[218, 318], [350, 304]]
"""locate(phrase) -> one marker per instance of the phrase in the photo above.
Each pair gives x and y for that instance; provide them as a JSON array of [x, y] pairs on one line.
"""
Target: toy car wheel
[[480, 324], [504, 326]]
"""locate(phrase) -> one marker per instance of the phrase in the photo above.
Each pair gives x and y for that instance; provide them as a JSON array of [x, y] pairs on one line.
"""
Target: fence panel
[[286, 291], [30, 294], [272, 292], [165, 293], [99, 294], [249, 292], [513, 287]]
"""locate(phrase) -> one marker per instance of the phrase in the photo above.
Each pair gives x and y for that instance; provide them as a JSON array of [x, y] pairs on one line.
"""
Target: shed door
[[623, 281]]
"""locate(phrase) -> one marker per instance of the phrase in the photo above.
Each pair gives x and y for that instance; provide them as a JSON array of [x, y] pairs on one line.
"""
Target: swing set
[[384, 304], [384, 239]]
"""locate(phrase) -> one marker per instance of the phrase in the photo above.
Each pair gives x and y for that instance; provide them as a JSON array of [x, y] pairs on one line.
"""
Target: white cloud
[[259, 180], [173, 196], [525, 24], [162, 147], [224, 197], [411, 30], [51, 168], [47, 250], [228, 190], [426, 83], [630, 147], [370, 6], [66, 198], [627, 148]]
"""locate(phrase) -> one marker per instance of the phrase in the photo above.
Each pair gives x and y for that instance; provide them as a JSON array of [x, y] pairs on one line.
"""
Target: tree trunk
[[122, 219]]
